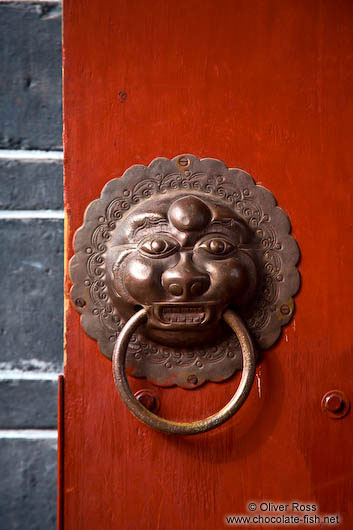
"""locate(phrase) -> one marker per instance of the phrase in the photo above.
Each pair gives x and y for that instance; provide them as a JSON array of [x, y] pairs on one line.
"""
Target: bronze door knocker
[[182, 270]]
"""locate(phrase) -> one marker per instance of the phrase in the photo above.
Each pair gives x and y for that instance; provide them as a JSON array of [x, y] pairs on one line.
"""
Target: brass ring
[[195, 427]]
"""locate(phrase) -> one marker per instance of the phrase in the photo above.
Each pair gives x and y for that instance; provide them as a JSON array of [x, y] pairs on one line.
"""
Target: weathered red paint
[[60, 460], [265, 86]]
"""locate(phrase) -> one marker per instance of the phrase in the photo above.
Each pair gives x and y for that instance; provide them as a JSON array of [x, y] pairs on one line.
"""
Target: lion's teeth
[[182, 314]]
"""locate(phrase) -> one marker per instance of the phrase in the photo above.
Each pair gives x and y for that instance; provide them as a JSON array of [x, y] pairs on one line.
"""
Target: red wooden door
[[265, 86]]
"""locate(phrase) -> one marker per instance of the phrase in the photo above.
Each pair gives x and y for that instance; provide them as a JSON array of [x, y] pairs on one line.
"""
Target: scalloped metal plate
[[272, 308]]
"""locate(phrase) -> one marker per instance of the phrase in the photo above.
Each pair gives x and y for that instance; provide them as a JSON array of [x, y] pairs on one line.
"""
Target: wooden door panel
[[264, 86]]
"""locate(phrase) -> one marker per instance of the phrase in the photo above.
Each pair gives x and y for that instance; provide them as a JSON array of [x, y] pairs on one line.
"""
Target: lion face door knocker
[[183, 269]]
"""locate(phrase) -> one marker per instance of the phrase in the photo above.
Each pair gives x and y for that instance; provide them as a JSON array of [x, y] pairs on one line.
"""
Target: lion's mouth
[[177, 314], [182, 315]]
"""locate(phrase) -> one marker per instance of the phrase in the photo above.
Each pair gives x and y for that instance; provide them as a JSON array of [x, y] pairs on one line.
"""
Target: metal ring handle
[[172, 427]]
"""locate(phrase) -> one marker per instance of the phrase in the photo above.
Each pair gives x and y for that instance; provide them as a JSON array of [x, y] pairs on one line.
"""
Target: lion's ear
[[112, 257]]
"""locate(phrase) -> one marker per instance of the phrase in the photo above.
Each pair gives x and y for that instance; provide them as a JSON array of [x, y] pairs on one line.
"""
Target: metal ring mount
[[172, 427]]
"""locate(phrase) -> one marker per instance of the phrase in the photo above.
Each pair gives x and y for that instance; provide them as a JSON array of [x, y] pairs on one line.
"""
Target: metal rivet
[[148, 399], [192, 379], [285, 309], [335, 404], [183, 161], [80, 302]]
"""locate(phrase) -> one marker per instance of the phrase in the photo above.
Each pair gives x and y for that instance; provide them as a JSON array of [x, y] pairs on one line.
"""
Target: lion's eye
[[217, 246], [158, 246]]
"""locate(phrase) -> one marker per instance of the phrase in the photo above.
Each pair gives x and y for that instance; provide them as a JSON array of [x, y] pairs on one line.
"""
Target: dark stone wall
[[31, 317], [31, 261], [31, 184], [30, 81], [28, 470], [28, 404]]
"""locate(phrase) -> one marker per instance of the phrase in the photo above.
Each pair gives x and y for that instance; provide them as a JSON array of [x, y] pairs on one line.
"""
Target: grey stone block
[[28, 404], [31, 185], [28, 484], [30, 81], [31, 263]]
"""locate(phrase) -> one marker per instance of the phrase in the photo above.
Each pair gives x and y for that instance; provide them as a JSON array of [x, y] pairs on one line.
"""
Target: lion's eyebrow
[[225, 221], [230, 226], [145, 221]]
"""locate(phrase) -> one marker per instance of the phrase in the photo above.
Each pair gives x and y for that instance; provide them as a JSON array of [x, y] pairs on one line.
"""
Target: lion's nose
[[185, 280]]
